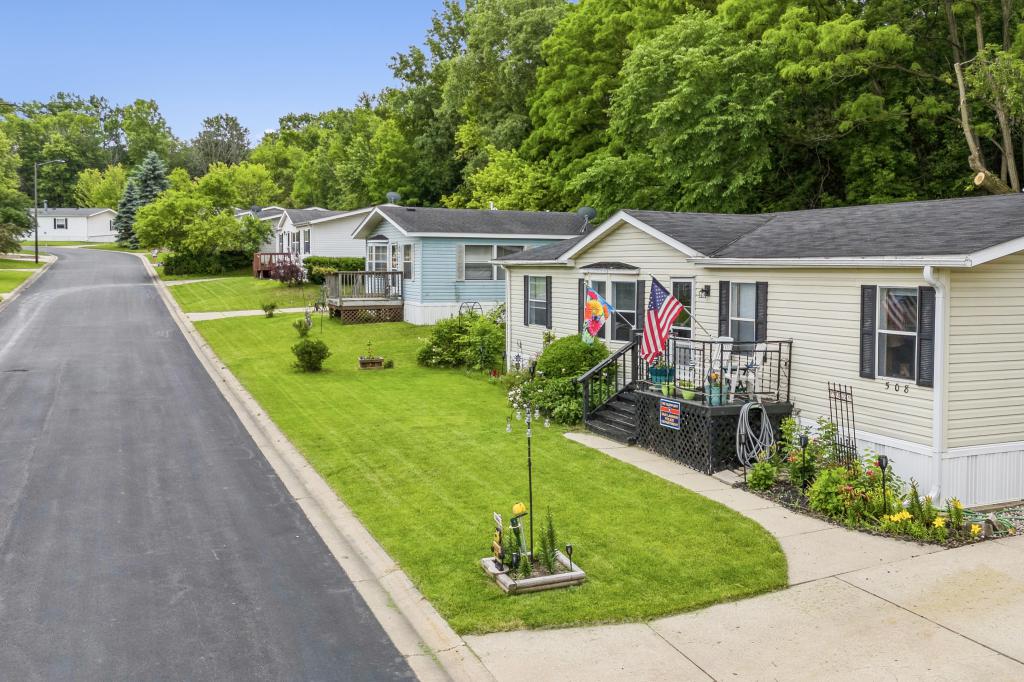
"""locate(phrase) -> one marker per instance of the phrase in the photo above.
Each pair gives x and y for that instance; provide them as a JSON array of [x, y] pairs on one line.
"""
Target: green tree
[[15, 222], [222, 140], [188, 222], [126, 208], [100, 189], [145, 130], [239, 186]]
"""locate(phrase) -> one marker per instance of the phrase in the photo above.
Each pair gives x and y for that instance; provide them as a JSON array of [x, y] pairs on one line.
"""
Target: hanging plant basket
[[567, 577]]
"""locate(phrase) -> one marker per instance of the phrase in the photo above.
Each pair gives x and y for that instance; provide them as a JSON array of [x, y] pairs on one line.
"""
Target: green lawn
[[422, 457], [16, 264], [9, 279], [241, 272], [31, 243], [241, 293]]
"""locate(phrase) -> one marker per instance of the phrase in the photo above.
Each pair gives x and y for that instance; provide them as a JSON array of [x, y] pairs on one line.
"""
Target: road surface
[[142, 533]]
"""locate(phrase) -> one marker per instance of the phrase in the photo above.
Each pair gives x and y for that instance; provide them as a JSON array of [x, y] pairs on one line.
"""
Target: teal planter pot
[[716, 394], [662, 375]]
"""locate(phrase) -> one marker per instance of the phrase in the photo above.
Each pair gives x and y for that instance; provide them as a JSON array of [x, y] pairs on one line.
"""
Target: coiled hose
[[749, 445]]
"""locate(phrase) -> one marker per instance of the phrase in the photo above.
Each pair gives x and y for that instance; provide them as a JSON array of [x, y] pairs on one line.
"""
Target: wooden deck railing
[[263, 263], [384, 285]]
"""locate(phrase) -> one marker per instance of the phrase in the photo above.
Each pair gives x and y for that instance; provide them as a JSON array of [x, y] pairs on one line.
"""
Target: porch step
[[616, 419]]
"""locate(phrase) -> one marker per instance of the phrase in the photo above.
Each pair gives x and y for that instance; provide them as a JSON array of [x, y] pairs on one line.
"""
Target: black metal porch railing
[[709, 372]]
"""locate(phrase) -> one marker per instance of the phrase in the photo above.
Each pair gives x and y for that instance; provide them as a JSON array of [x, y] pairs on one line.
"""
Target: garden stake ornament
[[883, 464], [803, 462]]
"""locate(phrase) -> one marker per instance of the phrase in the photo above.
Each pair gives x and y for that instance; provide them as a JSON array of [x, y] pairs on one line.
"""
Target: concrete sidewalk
[[859, 607], [198, 317]]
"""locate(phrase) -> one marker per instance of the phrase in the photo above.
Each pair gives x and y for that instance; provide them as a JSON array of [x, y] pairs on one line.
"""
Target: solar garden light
[[803, 460], [883, 464], [568, 553]]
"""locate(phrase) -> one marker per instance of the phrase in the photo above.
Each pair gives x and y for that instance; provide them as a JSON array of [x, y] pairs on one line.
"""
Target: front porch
[[356, 297], [688, 407], [263, 264]]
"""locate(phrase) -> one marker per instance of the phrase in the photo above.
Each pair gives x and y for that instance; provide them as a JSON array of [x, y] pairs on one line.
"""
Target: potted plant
[[686, 390], [370, 361], [714, 388], [661, 373]]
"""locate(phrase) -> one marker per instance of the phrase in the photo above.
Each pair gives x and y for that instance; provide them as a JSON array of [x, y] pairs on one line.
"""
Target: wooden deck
[[357, 297], [263, 263]]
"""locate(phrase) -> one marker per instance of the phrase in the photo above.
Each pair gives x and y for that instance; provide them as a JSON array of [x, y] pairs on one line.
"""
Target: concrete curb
[[422, 636], [10, 296]]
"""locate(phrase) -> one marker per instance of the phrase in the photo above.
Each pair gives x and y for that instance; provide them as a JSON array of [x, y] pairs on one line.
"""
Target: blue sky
[[257, 60]]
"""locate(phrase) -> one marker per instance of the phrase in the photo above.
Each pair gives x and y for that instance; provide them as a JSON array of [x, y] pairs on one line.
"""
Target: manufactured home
[[912, 313], [433, 262], [77, 224]]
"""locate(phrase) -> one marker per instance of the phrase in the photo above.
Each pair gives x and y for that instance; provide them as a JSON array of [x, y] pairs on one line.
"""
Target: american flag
[[662, 311]]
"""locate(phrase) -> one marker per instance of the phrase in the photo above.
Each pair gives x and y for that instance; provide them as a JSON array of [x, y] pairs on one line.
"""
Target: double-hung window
[[743, 312], [377, 256], [624, 301], [305, 241], [280, 242], [60, 223], [407, 268], [896, 337], [537, 301], [683, 292], [476, 261]]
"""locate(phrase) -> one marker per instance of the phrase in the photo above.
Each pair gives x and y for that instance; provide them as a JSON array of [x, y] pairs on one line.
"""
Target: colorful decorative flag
[[596, 312], [662, 311]]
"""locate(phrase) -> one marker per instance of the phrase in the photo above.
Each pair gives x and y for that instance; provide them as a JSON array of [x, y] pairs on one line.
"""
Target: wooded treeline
[[740, 106]]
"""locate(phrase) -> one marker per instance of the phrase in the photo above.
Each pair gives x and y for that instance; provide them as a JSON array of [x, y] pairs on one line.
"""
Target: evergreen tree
[[125, 220], [143, 187]]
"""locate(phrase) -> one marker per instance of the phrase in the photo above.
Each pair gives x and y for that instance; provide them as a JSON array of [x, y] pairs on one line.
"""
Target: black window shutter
[[868, 316], [550, 303], [641, 304], [925, 336], [761, 313], [723, 308], [526, 300], [582, 299]]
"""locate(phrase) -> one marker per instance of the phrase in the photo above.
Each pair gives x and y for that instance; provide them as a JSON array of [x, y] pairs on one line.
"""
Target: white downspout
[[938, 382]]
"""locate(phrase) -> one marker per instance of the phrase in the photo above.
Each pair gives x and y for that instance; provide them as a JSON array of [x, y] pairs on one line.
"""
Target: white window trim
[[495, 268], [733, 303], [412, 261], [62, 227], [692, 281], [307, 241], [369, 251], [529, 309], [608, 279], [879, 331]]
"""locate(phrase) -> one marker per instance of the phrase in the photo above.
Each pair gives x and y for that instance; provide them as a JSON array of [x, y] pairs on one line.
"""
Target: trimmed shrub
[[570, 356], [206, 263], [310, 354], [318, 266], [468, 340], [302, 327], [269, 308]]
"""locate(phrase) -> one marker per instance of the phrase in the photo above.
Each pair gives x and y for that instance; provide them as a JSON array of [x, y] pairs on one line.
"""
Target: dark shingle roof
[[71, 212], [302, 215], [467, 220], [546, 252], [914, 228], [705, 232]]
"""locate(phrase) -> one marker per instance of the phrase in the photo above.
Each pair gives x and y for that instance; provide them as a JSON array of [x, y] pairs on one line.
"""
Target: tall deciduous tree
[[101, 189], [222, 140], [145, 131], [14, 218]]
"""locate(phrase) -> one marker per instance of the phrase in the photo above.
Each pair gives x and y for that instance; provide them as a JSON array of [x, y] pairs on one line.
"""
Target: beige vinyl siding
[[819, 309], [986, 353]]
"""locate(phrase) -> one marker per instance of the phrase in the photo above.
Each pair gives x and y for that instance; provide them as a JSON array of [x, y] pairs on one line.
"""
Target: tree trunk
[[998, 104], [991, 183]]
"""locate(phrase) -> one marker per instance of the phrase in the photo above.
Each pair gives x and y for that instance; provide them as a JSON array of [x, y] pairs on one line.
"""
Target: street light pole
[[35, 196]]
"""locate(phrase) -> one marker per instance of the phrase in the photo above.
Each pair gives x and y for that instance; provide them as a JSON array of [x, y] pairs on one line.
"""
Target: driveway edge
[[433, 650], [14, 293]]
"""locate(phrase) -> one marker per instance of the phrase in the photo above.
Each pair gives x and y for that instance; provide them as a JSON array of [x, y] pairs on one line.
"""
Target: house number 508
[[897, 387]]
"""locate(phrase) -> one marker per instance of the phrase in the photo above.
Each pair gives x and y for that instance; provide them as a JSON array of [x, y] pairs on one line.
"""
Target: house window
[[293, 241], [897, 333], [683, 326], [60, 223], [407, 272], [477, 262], [305, 241], [280, 242], [376, 257], [538, 301], [743, 312], [624, 301], [501, 252]]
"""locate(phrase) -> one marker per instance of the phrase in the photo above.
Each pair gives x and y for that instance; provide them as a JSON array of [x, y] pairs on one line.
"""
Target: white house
[[334, 234], [77, 224], [918, 307]]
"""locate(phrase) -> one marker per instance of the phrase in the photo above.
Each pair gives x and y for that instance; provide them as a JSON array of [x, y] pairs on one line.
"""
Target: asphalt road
[[142, 534]]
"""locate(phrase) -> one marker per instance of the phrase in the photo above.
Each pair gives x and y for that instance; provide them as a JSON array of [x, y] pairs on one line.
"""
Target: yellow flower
[[939, 522], [518, 508], [975, 530], [956, 504]]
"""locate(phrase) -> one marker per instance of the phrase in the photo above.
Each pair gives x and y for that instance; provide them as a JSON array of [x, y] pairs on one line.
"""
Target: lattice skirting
[[367, 315], [706, 439]]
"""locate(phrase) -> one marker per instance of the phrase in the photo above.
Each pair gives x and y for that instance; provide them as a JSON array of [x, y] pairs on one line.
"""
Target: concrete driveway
[[142, 534]]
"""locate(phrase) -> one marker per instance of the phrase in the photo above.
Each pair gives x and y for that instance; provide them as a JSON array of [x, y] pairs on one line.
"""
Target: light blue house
[[445, 255]]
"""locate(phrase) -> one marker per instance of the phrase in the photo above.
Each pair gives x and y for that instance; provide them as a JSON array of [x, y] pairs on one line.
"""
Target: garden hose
[[750, 445]]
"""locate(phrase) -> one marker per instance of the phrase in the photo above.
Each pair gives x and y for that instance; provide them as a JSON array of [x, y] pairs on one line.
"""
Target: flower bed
[[806, 473]]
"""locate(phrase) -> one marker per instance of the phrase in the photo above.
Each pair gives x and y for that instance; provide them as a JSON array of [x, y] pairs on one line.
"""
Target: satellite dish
[[588, 213], [394, 197]]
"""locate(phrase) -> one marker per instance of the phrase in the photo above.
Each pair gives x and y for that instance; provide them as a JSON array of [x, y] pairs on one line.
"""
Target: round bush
[[310, 354], [570, 357]]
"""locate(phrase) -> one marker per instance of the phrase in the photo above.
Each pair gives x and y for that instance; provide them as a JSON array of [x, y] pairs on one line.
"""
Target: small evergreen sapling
[[549, 544]]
